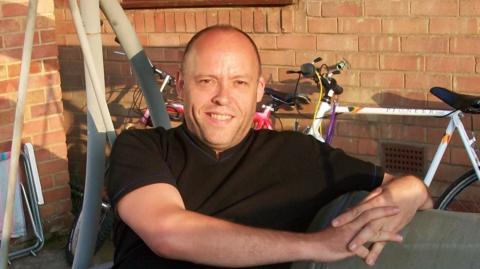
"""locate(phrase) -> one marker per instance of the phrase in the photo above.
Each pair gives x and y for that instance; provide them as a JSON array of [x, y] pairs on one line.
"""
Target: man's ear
[[260, 88], [180, 85]]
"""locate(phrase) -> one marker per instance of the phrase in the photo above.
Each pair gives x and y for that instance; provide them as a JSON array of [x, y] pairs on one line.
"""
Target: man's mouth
[[221, 117]]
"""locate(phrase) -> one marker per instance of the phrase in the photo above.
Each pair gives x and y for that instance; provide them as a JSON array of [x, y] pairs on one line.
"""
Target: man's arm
[[157, 214], [409, 193]]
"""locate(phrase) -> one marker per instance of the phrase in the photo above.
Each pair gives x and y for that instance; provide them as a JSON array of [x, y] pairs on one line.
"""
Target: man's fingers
[[370, 233], [375, 251], [351, 214], [361, 252]]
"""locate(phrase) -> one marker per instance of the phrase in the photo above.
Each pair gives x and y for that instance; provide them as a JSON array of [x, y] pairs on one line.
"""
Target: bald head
[[213, 31]]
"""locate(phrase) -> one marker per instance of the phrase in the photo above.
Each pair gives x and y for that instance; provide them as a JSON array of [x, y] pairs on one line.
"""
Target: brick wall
[[397, 50], [44, 123]]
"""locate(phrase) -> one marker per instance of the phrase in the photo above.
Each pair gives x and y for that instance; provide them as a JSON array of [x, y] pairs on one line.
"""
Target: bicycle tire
[[105, 229], [451, 197]]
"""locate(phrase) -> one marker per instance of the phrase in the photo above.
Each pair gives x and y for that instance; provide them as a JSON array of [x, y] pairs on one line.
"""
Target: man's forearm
[[202, 239]]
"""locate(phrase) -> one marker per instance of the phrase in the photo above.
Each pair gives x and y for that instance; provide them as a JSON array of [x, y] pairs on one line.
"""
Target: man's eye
[[205, 81], [241, 83]]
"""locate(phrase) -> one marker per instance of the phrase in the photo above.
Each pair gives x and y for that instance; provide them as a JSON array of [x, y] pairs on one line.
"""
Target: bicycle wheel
[[105, 229], [462, 195]]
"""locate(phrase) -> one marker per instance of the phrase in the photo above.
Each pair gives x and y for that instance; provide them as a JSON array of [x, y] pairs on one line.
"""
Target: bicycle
[[461, 104]]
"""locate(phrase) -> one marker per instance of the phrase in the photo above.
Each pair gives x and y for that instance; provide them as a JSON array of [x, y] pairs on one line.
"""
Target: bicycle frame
[[455, 123]]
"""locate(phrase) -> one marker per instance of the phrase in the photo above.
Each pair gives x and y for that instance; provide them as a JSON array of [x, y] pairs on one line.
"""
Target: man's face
[[220, 85]]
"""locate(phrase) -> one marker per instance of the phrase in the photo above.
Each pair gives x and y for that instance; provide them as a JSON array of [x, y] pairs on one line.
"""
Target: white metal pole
[[17, 131]]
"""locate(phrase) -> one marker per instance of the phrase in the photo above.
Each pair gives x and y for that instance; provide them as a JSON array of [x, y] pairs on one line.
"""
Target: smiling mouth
[[221, 117]]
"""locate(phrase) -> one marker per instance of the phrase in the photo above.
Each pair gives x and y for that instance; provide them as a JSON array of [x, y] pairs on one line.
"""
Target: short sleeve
[[347, 173], [136, 160]]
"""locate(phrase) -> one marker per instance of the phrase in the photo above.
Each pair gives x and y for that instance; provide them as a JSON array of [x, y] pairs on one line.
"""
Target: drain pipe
[[95, 168], [17, 131]]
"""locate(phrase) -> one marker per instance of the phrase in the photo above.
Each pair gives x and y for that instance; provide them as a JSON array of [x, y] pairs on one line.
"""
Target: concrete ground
[[52, 256]]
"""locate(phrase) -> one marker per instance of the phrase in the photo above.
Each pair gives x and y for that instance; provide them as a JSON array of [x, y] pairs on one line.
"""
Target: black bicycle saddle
[[465, 103], [287, 99]]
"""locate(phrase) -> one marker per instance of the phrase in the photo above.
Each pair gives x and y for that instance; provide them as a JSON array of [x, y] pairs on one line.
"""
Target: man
[[214, 193]]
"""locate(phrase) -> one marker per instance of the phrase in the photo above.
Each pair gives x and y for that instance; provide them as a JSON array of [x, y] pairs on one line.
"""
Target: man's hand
[[333, 241], [407, 193]]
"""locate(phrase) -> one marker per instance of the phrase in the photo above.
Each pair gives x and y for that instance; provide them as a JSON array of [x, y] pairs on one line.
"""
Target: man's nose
[[222, 94]]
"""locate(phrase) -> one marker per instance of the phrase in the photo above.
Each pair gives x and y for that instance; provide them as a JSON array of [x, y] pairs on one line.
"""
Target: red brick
[[314, 9], [212, 18], [381, 80], [368, 147], [434, 7], [46, 109], [259, 21], [337, 42], [236, 18], [160, 22], [270, 74], [45, 51], [300, 18], [303, 42], [42, 81], [362, 61], [405, 25], [149, 16], [10, 85], [357, 129], [3, 72], [169, 21], [264, 41], [425, 44], [386, 8], [55, 122], [425, 81], [54, 94], [58, 151], [359, 25], [465, 45], [53, 195], [247, 20], [200, 20], [16, 40], [453, 25], [379, 43], [13, 9], [277, 57], [49, 65], [139, 22], [469, 8], [9, 25], [347, 79], [14, 69], [46, 181], [287, 20], [190, 25], [467, 84], [322, 25], [180, 22], [62, 179], [167, 40], [477, 67], [455, 64], [6, 132], [349, 145], [35, 97], [47, 36], [459, 156], [302, 57], [342, 9], [282, 75], [48, 139], [34, 127], [402, 62], [273, 21]]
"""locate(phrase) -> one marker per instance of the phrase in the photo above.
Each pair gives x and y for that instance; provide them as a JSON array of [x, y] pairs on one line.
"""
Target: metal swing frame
[[100, 128]]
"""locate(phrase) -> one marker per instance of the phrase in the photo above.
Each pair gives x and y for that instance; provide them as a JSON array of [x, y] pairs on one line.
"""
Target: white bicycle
[[328, 106]]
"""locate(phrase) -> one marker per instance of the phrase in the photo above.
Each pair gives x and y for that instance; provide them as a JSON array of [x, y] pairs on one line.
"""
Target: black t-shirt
[[275, 180]]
